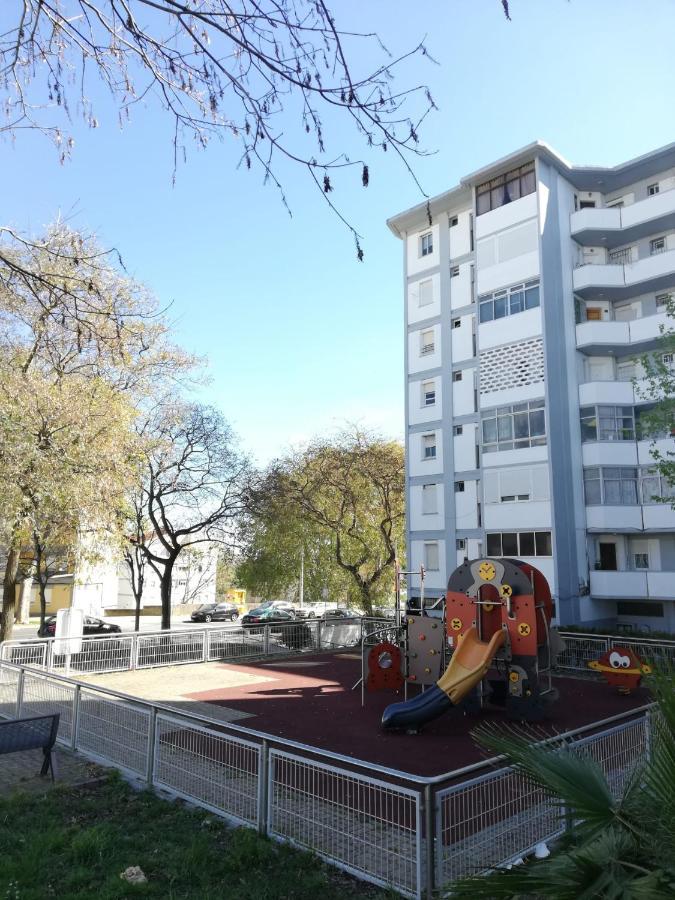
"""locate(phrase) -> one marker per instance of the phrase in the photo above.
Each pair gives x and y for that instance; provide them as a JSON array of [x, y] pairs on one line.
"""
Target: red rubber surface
[[313, 704]]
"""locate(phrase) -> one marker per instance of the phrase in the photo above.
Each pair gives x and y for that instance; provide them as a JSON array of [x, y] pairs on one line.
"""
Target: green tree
[[81, 347], [659, 374], [349, 490], [617, 848]]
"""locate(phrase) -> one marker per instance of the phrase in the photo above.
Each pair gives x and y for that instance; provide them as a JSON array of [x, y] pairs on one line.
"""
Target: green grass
[[74, 843]]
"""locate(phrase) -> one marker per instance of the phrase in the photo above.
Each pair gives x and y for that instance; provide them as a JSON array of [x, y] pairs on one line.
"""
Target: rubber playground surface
[[310, 700]]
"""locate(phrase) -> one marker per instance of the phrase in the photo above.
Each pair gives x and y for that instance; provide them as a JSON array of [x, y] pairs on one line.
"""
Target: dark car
[[215, 612], [340, 614], [267, 615], [91, 626]]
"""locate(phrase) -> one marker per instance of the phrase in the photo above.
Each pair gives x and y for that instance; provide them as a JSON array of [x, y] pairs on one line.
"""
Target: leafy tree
[[659, 374], [80, 345], [616, 848], [192, 486], [276, 543], [350, 491]]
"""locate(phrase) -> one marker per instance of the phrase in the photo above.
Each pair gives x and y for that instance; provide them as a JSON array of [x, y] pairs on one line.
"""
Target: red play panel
[[309, 699]]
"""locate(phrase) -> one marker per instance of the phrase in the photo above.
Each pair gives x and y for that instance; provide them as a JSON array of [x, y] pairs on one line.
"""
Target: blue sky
[[299, 336]]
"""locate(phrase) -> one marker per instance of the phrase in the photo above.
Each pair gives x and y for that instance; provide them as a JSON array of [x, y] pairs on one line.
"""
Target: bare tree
[[269, 74], [193, 486], [133, 532]]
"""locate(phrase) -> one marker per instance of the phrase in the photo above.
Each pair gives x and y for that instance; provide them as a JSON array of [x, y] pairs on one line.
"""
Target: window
[[587, 204], [614, 204], [429, 446], [456, 376], [505, 188], [657, 245], [652, 189], [620, 256], [454, 220], [460, 544], [662, 300], [429, 500], [508, 302], [654, 488], [640, 560], [624, 486], [431, 557], [607, 423], [514, 427], [427, 342], [516, 485], [454, 271], [519, 543], [459, 487], [456, 323], [428, 393], [426, 292], [426, 244], [457, 430], [639, 608]]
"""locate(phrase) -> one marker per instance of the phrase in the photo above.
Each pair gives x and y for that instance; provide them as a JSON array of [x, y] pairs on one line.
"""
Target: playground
[[309, 699]]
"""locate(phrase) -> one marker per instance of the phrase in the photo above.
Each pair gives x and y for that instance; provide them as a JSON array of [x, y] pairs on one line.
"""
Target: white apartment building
[[531, 289]]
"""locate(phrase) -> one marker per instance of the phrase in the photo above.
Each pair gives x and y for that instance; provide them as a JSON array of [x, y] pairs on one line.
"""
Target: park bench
[[34, 733]]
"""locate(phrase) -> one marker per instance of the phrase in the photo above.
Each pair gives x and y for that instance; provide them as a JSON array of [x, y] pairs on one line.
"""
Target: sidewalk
[[21, 771]]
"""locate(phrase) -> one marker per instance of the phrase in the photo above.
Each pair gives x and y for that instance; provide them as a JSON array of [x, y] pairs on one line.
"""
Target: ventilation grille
[[512, 365]]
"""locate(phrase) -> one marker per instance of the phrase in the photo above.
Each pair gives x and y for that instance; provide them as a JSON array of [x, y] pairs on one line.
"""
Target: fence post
[[266, 641], [648, 734], [319, 626], [134, 652], [50, 656], [205, 644], [76, 717], [19, 693], [152, 732], [263, 787], [429, 823]]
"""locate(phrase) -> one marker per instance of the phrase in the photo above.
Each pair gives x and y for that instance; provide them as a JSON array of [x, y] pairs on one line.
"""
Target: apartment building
[[531, 289]]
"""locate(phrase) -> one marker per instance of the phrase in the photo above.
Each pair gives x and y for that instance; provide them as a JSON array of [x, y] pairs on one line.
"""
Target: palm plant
[[616, 848]]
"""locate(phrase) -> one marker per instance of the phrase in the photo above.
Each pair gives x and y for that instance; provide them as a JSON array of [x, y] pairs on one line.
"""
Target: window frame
[[426, 243], [426, 393], [427, 349], [506, 188], [658, 245], [653, 189], [429, 447], [600, 413], [507, 420], [540, 539], [427, 566], [457, 376], [505, 300]]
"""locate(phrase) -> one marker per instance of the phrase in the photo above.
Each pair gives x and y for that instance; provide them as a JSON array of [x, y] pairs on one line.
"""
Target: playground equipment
[[621, 668], [496, 619]]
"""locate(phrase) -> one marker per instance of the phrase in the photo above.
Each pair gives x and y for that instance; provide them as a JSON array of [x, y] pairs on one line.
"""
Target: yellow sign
[[513, 676], [456, 624], [487, 571], [524, 629]]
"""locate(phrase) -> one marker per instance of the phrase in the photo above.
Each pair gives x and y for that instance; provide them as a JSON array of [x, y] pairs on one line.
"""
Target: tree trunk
[[137, 616], [25, 595], [43, 602], [165, 594], [366, 599], [9, 594]]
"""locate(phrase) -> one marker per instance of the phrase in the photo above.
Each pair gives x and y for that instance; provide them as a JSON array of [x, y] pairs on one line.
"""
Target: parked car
[[278, 604], [341, 614], [91, 626], [267, 615], [215, 612]]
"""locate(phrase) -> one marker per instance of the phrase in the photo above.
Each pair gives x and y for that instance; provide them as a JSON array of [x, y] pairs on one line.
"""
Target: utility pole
[[302, 577]]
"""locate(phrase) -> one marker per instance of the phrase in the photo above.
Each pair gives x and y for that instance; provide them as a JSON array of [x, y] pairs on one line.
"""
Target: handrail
[[616, 637], [317, 751]]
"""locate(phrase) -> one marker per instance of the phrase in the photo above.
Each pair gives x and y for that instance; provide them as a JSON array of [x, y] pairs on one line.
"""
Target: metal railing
[[392, 828], [144, 650], [580, 649]]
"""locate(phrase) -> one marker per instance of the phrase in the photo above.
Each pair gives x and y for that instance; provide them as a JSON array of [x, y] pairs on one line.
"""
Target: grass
[[74, 843]]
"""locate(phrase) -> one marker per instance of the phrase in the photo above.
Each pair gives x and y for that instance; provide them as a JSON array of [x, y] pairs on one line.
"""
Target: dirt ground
[[310, 700]]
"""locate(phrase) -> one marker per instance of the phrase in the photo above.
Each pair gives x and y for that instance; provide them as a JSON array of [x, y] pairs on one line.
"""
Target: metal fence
[[391, 828], [580, 649], [140, 650]]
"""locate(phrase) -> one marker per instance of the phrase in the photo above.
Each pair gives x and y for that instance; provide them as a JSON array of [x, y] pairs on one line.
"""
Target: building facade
[[531, 289]]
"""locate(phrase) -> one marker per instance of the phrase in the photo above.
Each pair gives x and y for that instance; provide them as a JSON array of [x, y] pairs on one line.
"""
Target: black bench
[[35, 733]]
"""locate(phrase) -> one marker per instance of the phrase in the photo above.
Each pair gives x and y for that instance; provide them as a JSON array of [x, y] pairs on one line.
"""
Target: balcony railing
[[620, 257]]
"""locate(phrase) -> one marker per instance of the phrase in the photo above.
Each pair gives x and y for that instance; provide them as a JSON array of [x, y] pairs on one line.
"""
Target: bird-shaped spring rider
[[621, 668]]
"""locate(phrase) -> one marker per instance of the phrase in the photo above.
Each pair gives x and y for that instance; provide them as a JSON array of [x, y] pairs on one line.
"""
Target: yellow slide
[[469, 663]]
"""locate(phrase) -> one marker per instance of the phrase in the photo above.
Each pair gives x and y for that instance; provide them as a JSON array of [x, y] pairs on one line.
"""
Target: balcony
[[625, 279], [613, 227], [614, 519], [610, 393], [638, 335], [619, 585]]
